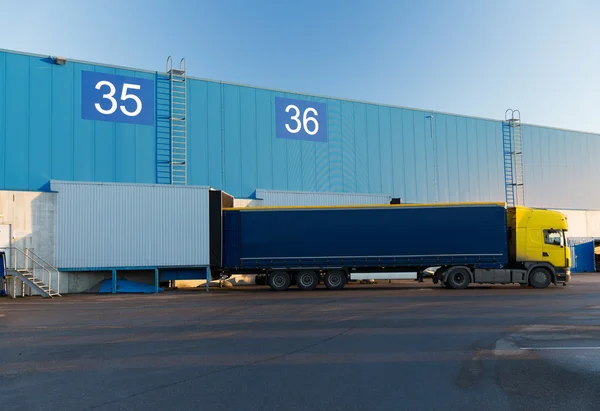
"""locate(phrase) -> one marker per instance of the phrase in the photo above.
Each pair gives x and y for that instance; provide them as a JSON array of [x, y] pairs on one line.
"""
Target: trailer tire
[[540, 277], [458, 278], [279, 280], [335, 280], [306, 280]]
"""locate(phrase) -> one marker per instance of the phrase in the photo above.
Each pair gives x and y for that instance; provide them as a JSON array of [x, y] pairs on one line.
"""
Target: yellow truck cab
[[537, 239], [537, 253]]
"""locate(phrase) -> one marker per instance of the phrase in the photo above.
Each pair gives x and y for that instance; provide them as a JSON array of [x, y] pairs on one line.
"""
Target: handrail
[[42, 260], [48, 266], [27, 257], [23, 253]]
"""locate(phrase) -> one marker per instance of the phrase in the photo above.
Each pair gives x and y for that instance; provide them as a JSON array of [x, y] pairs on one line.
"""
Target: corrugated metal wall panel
[[43, 136], [560, 166], [370, 148], [3, 102], [301, 198], [232, 144], [131, 225]]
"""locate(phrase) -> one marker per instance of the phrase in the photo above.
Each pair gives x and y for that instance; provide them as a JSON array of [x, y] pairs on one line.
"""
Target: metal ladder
[[177, 78], [514, 172]]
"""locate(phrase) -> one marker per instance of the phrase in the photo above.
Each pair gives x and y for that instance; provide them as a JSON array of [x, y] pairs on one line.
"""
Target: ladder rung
[[178, 127]]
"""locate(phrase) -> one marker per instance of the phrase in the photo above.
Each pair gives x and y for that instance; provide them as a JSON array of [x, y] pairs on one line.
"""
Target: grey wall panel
[[126, 225], [298, 198]]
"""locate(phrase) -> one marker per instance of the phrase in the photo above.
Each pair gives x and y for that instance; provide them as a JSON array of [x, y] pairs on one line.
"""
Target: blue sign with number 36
[[301, 119], [121, 99]]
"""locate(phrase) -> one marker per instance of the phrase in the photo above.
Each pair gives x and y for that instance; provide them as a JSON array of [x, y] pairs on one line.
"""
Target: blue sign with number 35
[[301, 120], [121, 99]]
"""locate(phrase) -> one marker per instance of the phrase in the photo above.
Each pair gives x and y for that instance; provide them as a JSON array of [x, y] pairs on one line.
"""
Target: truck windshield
[[554, 237]]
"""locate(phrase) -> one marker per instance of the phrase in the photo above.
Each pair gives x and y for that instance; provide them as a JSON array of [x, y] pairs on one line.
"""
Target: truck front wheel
[[540, 278], [335, 280], [279, 280]]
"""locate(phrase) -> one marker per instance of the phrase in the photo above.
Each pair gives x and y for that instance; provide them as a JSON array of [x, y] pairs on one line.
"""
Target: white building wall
[[244, 202], [583, 223], [593, 223], [32, 217]]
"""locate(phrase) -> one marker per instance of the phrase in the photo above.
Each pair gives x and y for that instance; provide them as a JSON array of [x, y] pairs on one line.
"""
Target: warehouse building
[[106, 172]]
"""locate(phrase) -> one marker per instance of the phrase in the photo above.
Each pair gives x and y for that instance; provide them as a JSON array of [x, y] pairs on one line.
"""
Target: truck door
[[554, 248]]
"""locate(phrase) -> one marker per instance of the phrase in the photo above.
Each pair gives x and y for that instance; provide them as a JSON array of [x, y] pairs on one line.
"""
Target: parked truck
[[483, 243]]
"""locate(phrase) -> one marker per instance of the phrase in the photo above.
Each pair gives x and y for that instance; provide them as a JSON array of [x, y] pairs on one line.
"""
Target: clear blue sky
[[472, 57]]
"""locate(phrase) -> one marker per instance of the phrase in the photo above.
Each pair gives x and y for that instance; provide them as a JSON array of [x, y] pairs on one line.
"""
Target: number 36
[[305, 120], [124, 96]]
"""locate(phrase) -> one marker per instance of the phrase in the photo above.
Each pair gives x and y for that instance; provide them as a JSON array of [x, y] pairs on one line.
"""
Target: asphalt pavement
[[401, 346]]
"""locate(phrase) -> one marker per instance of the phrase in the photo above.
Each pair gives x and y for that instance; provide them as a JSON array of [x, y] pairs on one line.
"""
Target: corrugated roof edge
[[99, 183], [137, 268], [349, 100], [366, 206], [334, 193]]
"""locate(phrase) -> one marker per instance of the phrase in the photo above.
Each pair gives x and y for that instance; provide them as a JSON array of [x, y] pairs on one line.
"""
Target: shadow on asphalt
[[372, 288]]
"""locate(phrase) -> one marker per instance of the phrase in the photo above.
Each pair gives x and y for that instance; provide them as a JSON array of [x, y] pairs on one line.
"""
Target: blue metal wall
[[233, 145], [371, 149], [43, 137], [582, 255]]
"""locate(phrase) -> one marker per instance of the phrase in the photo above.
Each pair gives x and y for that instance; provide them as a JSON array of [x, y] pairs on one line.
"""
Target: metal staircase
[[514, 173], [34, 272], [177, 78]]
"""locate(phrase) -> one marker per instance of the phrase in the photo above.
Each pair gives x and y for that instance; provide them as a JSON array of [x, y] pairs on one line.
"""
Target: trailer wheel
[[540, 278], [307, 280], [279, 280], [458, 278], [335, 280]]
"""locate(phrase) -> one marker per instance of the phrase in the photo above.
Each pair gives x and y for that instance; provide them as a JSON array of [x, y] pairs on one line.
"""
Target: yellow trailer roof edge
[[251, 208]]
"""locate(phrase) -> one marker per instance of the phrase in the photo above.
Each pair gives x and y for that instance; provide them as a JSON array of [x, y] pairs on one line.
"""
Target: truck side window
[[553, 237]]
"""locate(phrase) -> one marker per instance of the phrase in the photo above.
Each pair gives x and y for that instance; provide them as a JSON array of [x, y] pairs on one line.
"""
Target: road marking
[[559, 348]]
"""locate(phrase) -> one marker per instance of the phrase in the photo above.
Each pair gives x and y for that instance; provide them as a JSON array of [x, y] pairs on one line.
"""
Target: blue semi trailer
[[332, 245]]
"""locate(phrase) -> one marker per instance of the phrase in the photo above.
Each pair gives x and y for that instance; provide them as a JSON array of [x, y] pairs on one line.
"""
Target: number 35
[[305, 120], [124, 96]]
